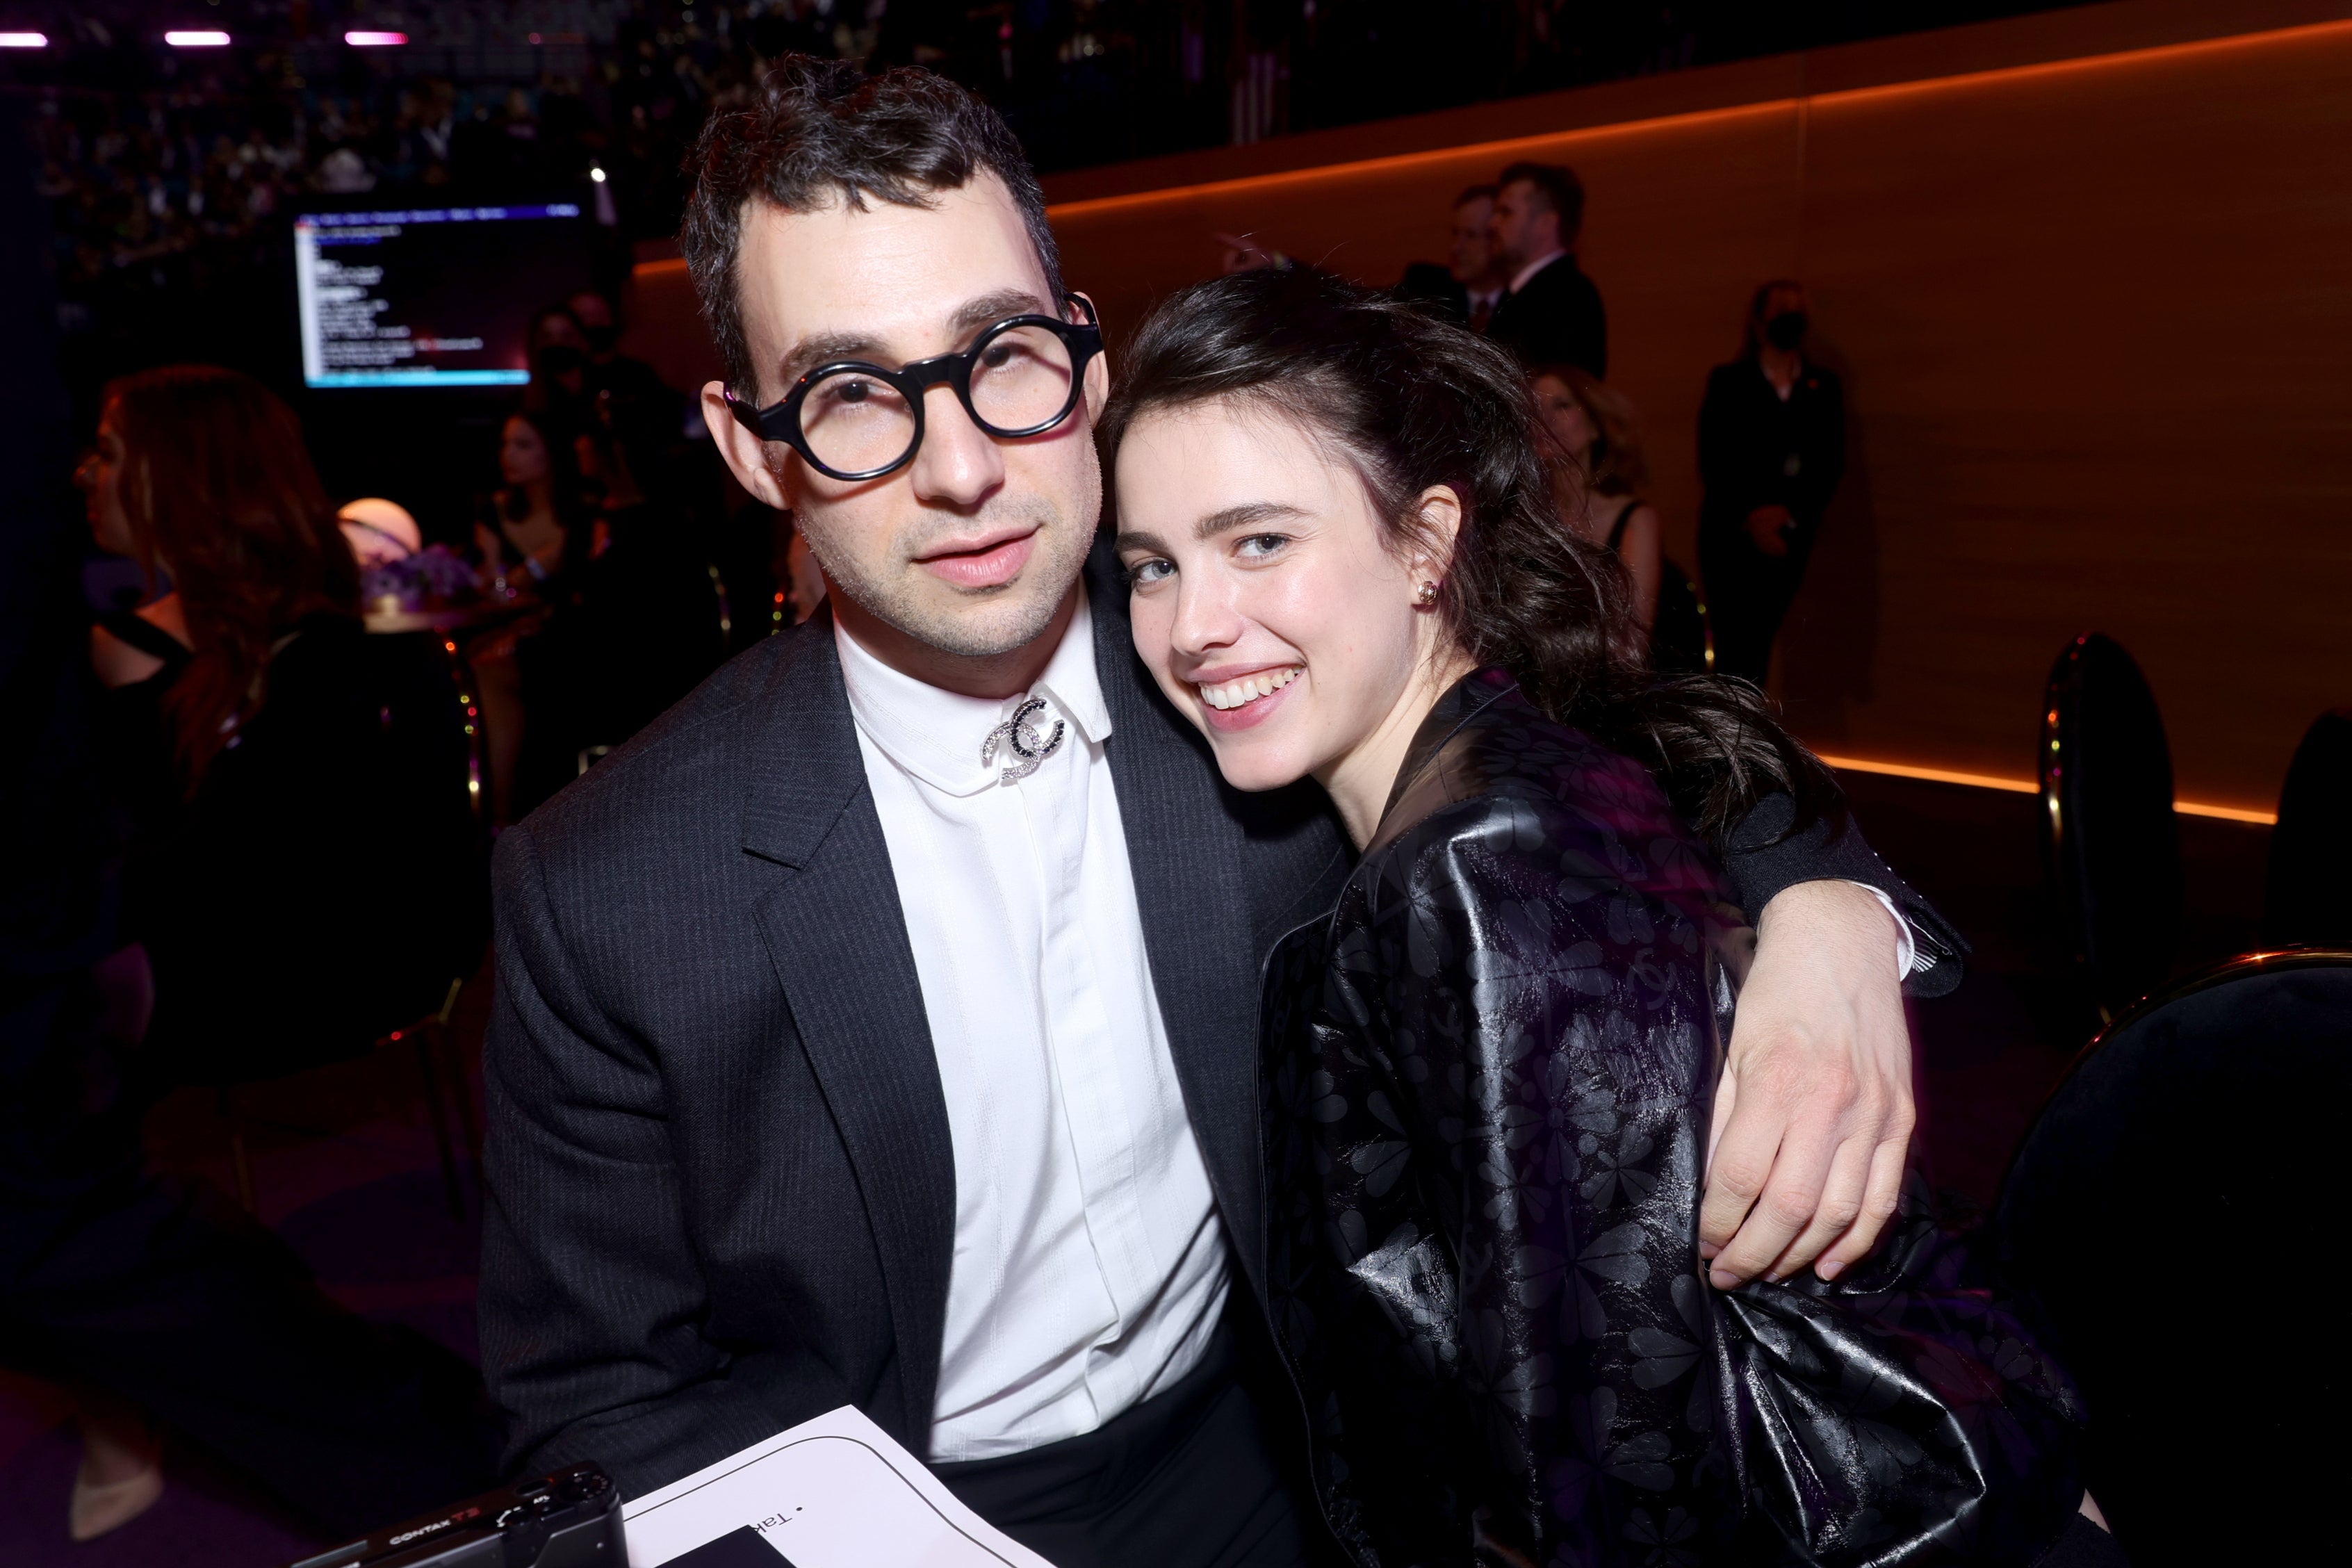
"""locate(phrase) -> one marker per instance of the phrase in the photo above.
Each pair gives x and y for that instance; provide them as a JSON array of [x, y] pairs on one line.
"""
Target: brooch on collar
[[1021, 736]]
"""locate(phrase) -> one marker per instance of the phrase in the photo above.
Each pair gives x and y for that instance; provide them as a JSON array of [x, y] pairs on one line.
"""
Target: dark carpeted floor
[[344, 1165]]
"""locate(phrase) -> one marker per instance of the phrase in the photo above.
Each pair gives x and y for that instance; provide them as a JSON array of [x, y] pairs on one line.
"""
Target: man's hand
[[1814, 1113], [1768, 527]]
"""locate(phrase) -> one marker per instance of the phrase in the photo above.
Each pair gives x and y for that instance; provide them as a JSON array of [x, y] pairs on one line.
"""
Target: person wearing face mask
[[628, 394], [1772, 450], [1489, 1066], [558, 347]]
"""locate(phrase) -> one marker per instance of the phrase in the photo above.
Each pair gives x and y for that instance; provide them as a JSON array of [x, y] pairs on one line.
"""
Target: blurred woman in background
[[1598, 489], [535, 537], [287, 896], [1596, 480]]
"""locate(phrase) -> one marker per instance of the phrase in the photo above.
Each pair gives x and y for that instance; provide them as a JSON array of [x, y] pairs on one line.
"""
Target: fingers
[[1879, 1202], [1767, 1176], [1840, 1205]]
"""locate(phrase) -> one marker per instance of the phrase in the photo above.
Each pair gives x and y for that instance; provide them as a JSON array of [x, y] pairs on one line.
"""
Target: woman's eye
[[1258, 546], [1145, 572]]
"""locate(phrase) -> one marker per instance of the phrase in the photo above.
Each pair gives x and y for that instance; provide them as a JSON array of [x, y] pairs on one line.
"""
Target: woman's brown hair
[[1412, 403], [221, 495], [1615, 466]]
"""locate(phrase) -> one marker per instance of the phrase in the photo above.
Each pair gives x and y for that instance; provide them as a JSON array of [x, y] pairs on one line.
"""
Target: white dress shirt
[[1090, 1264]]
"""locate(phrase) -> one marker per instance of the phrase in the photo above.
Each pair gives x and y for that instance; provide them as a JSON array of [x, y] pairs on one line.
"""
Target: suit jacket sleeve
[[591, 1295], [1762, 856]]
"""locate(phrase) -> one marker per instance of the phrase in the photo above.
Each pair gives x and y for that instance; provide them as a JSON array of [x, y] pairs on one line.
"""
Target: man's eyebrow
[[992, 307], [1248, 514], [823, 348]]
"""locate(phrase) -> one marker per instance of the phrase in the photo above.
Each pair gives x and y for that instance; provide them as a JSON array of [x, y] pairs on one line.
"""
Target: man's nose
[[959, 463]]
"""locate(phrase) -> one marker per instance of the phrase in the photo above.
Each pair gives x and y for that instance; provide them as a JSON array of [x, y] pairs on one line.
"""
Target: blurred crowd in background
[[168, 169]]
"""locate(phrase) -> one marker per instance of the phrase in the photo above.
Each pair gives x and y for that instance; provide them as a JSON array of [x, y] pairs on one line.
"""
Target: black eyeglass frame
[[781, 421]]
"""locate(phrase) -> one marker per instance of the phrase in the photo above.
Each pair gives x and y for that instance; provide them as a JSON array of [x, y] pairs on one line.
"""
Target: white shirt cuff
[[1907, 946]]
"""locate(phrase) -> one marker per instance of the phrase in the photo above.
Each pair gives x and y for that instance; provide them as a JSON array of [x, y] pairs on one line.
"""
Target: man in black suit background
[[1551, 313], [833, 1065], [1469, 286]]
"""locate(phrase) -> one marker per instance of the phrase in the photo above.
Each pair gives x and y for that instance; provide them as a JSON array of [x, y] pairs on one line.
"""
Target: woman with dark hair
[[535, 536], [1772, 450], [1490, 1069]]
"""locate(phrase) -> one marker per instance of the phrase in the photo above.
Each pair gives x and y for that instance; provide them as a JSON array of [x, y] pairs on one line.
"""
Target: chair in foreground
[[2307, 898], [2111, 844], [2168, 1221]]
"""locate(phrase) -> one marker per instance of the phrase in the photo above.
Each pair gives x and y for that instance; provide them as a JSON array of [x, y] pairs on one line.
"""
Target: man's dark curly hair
[[822, 131]]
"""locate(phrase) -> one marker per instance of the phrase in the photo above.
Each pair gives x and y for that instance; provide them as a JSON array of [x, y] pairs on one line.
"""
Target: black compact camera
[[569, 1520]]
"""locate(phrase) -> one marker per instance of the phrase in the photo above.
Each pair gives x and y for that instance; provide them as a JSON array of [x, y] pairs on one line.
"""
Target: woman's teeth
[[1249, 688]]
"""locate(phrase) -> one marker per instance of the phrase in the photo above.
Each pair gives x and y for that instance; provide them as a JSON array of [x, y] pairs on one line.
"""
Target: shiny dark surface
[[2195, 1144], [2112, 844], [1490, 1078]]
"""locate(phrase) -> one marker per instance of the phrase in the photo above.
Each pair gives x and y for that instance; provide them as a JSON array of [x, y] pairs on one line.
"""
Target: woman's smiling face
[[1267, 600]]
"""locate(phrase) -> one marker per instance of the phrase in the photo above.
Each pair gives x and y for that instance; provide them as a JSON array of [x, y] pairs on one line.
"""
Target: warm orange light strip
[[1502, 151], [2025, 786]]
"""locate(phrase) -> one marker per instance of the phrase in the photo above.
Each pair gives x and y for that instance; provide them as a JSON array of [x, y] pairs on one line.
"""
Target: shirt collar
[[1527, 273], [935, 734]]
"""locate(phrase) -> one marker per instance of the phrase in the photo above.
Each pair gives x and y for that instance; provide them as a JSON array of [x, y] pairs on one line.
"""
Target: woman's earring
[[1425, 596]]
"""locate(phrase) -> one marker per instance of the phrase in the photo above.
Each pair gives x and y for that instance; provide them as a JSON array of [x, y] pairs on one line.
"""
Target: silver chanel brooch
[[1021, 736]]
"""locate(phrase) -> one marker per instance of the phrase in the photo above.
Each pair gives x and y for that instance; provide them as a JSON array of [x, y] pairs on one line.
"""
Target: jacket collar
[[1421, 783]]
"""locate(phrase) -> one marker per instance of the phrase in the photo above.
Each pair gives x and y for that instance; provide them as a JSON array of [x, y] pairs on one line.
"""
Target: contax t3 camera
[[569, 1520]]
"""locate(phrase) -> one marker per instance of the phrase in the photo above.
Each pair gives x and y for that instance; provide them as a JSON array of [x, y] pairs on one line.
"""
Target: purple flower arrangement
[[432, 576]]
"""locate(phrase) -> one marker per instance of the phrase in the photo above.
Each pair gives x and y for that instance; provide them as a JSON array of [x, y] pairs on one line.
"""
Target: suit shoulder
[[684, 770]]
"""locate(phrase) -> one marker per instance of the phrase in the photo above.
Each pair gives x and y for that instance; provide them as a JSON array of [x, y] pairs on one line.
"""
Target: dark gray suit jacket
[[721, 1185]]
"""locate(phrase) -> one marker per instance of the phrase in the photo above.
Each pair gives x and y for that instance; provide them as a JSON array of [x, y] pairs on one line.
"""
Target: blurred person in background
[[557, 345], [1466, 289], [1772, 450], [650, 616], [1551, 313], [535, 537], [213, 750], [640, 395], [1598, 488]]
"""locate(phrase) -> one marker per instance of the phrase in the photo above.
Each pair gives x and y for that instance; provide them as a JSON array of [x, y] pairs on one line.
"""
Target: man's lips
[[985, 564]]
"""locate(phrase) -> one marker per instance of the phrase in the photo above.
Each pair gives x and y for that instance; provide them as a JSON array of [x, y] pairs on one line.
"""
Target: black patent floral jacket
[[1489, 1073]]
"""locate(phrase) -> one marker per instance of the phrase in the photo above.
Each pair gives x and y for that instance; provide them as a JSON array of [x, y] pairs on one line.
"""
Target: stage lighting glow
[[201, 38], [374, 40], [597, 175], [24, 41]]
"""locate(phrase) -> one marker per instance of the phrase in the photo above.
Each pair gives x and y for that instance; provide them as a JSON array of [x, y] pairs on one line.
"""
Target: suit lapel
[[1185, 850], [838, 940]]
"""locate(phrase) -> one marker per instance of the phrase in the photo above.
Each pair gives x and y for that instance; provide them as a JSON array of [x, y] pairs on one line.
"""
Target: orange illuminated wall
[[2088, 278]]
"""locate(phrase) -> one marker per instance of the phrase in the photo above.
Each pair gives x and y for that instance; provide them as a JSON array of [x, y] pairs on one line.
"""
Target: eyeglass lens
[[853, 421]]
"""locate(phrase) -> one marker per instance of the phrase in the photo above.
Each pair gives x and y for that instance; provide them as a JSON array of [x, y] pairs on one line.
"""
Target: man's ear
[[1097, 368], [746, 453]]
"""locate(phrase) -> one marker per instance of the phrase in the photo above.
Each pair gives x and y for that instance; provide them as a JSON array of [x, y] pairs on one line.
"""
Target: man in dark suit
[[880, 1026], [1469, 286], [1552, 313]]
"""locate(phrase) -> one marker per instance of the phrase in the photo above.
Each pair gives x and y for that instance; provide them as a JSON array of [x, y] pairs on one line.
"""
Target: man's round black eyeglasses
[[853, 420]]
